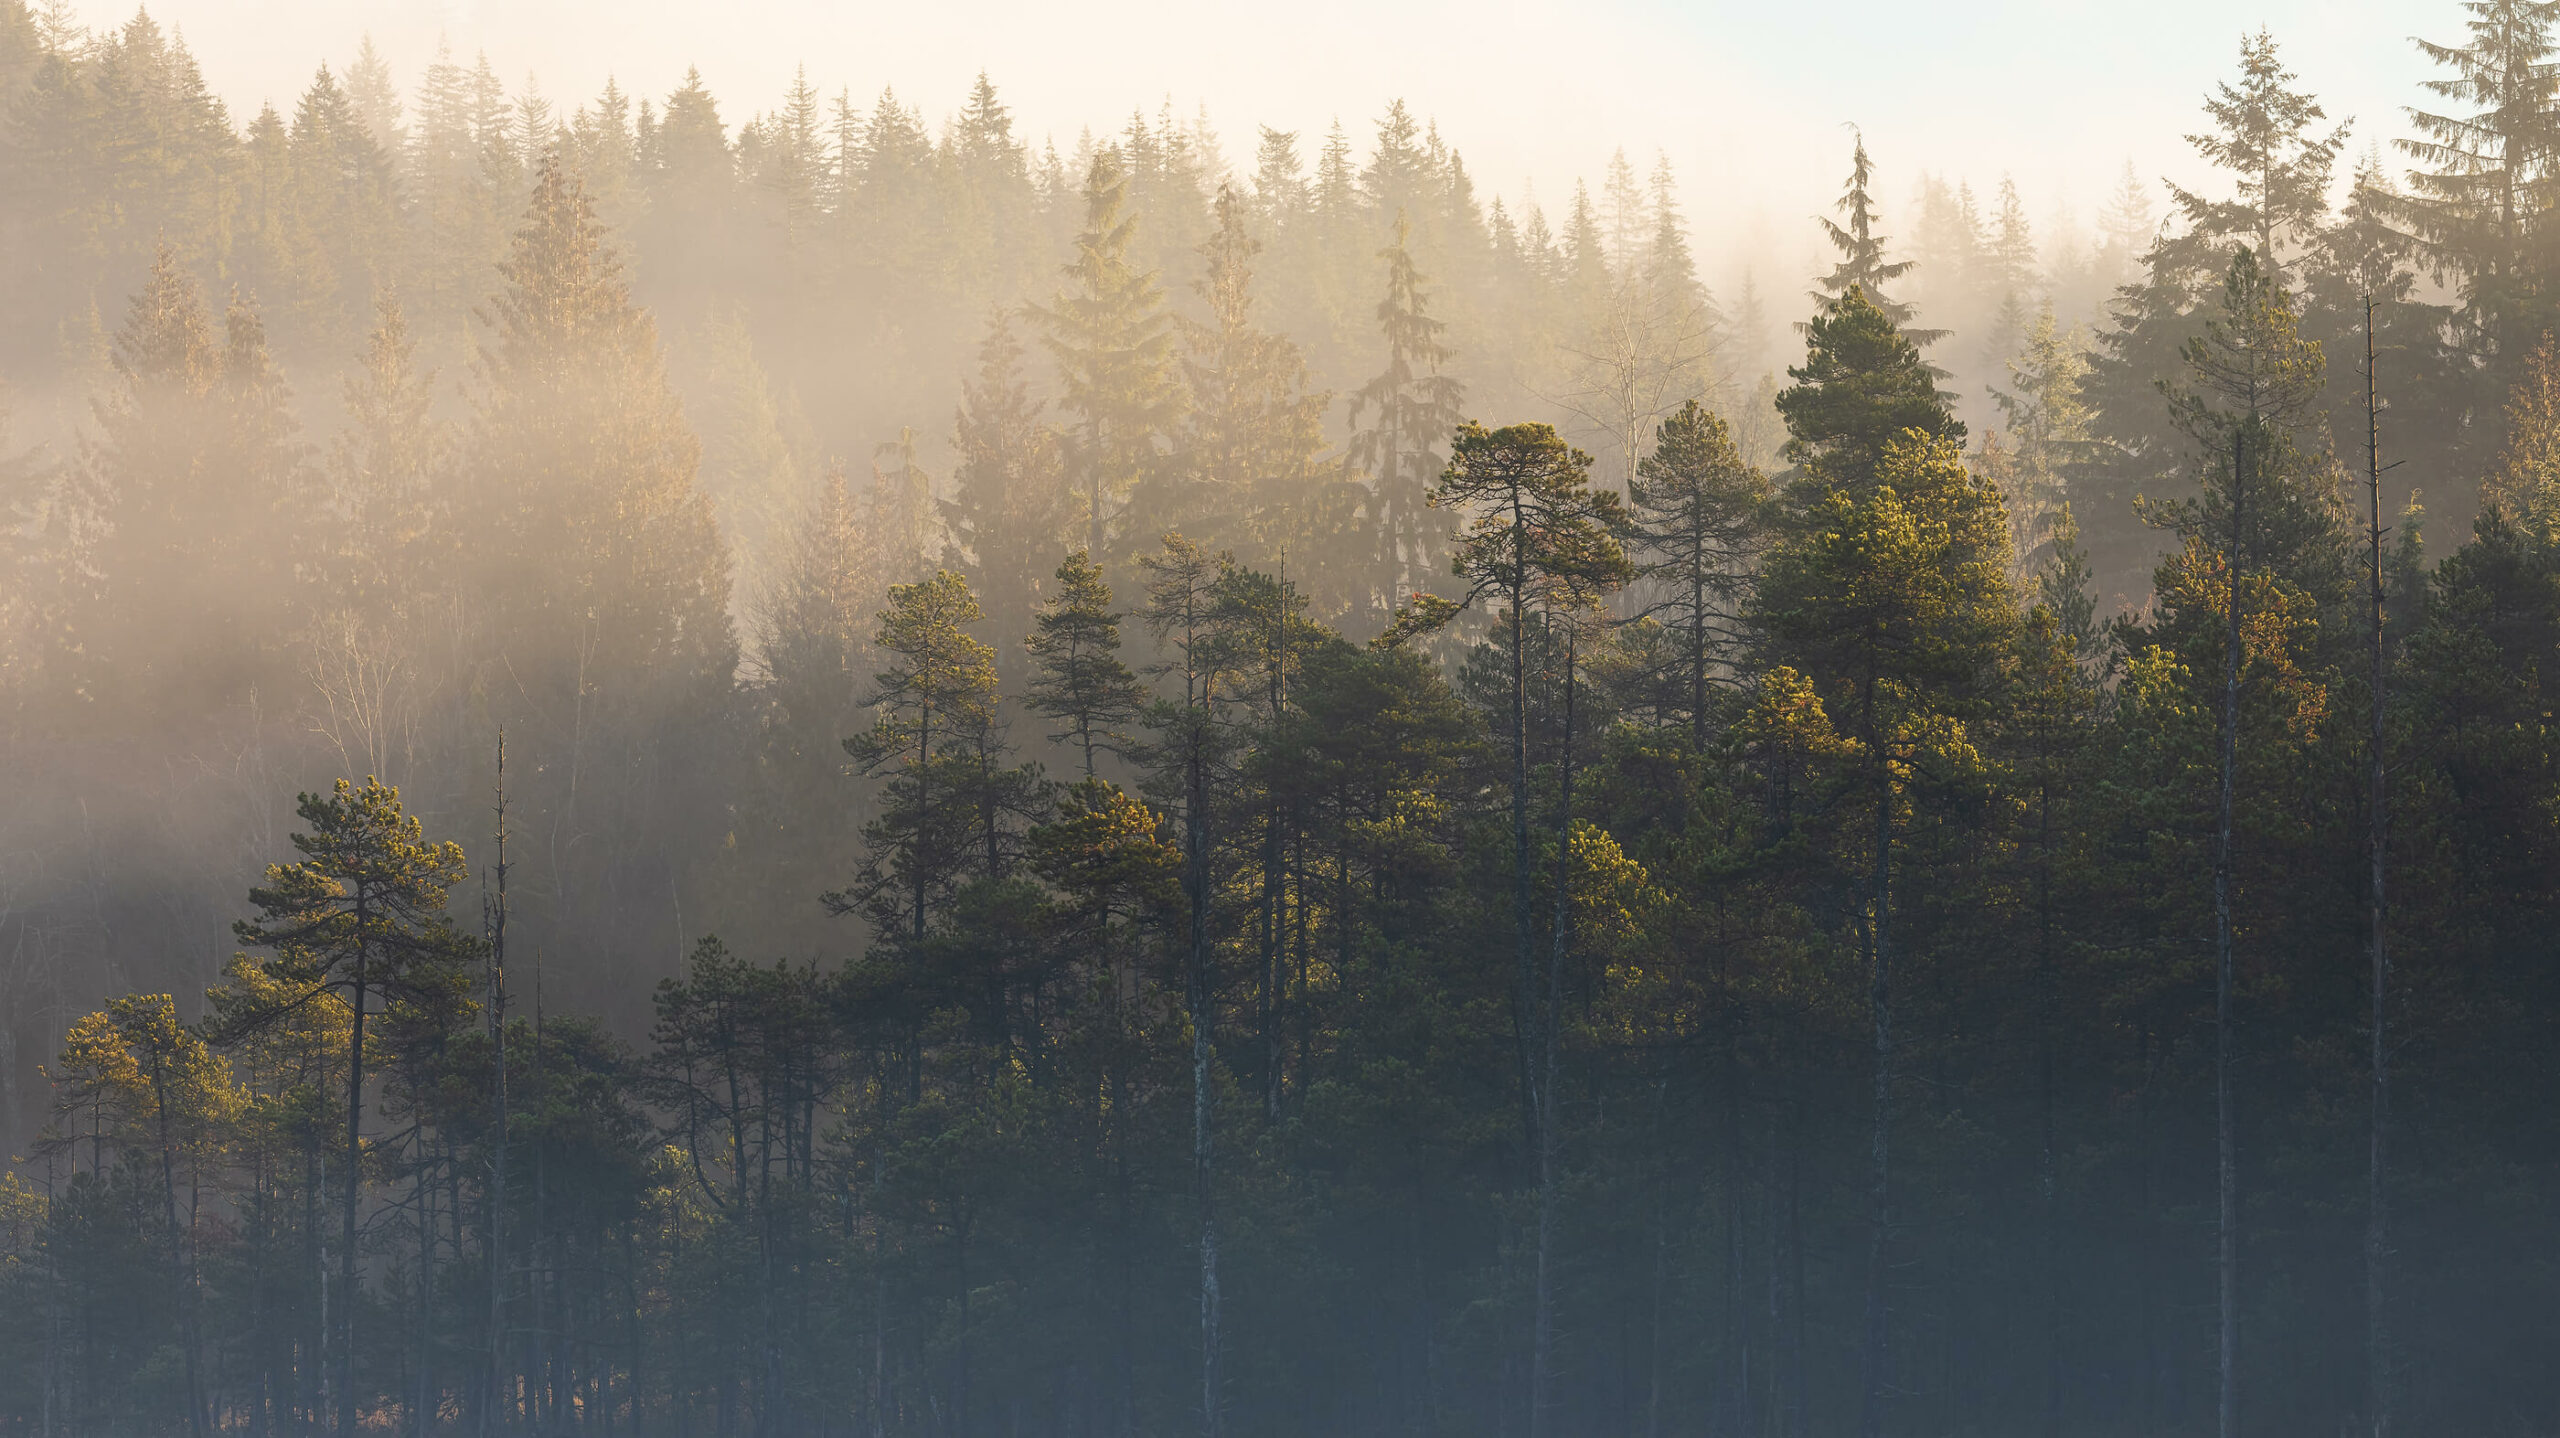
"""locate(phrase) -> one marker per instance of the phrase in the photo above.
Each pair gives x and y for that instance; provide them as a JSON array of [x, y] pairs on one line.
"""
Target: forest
[[839, 772]]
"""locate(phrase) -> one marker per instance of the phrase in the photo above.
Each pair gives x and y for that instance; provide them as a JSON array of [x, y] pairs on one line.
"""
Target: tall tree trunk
[[419, 1417], [494, 1379], [1526, 1023], [1196, 842], [1872, 1345], [2048, 1180], [2225, 1134], [1274, 882], [1542, 1341], [354, 1191], [180, 1270], [2377, 1235]]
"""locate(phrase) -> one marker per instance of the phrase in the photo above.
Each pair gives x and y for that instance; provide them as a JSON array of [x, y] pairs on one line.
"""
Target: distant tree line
[[1798, 913]]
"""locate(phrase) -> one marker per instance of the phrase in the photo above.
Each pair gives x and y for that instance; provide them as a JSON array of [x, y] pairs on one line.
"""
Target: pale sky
[[1747, 99]]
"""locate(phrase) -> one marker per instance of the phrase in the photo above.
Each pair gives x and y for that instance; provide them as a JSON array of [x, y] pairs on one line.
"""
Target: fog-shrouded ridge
[[847, 761]]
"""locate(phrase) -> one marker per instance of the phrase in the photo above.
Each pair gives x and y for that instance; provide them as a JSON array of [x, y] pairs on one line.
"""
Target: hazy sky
[[1749, 96]]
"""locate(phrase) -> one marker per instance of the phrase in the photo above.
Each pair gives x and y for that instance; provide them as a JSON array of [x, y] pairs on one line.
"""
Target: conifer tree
[[1696, 511], [582, 470], [1538, 535], [360, 916], [2279, 166], [346, 199], [1109, 334], [687, 234], [906, 529], [1416, 406], [2474, 202], [1893, 598], [2048, 427], [1645, 342], [1863, 266], [935, 695], [991, 217], [1183, 614], [1009, 502], [2253, 380], [1081, 682], [185, 506], [1247, 457], [2524, 489], [2013, 279], [1862, 384], [171, 1097], [383, 467], [374, 97], [750, 473]]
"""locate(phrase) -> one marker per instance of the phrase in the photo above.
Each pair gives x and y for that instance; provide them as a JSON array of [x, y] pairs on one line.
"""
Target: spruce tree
[[1110, 336], [2280, 166], [2048, 427], [1893, 598], [188, 504], [750, 470], [2253, 379], [2474, 200], [2012, 282], [382, 468], [1009, 502], [597, 552], [1416, 407], [1246, 460], [1862, 384], [1862, 265], [347, 201]]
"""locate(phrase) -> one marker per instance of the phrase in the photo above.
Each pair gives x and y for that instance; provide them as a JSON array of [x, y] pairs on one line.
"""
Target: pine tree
[[1539, 536], [360, 916], [1696, 512], [1081, 682], [1183, 615], [1109, 334], [936, 694]]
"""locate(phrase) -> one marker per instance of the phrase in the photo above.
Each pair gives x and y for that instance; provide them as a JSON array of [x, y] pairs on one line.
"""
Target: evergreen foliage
[[1848, 910]]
